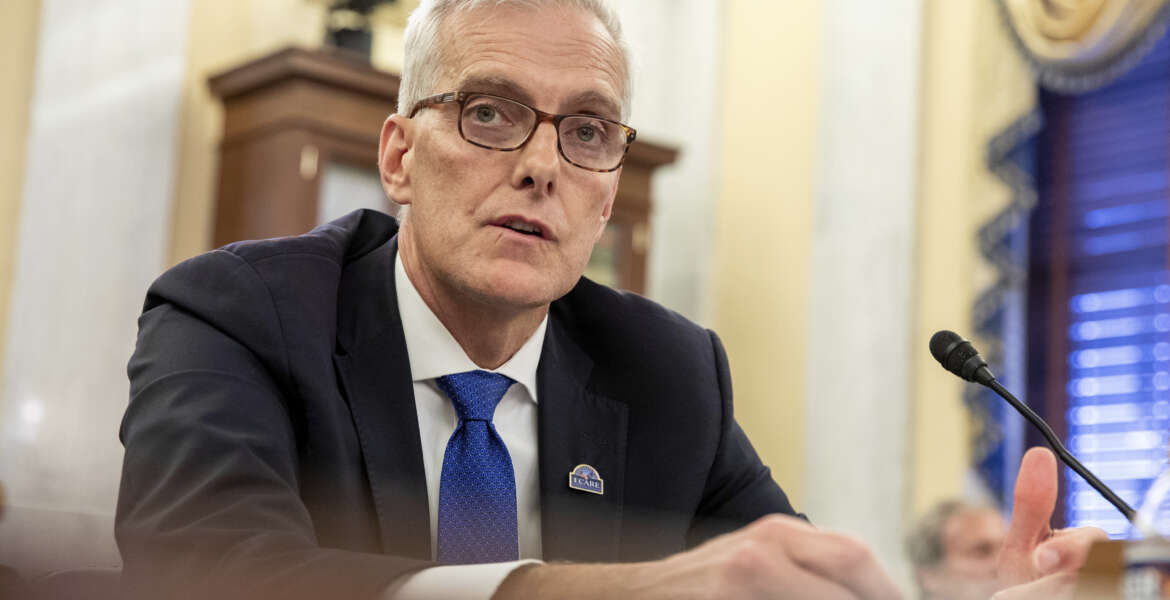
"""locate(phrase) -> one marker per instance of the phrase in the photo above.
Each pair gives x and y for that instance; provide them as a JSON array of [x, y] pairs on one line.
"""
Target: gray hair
[[424, 51], [924, 545]]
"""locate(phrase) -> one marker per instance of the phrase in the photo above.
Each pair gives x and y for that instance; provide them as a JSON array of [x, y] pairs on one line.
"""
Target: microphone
[[958, 356]]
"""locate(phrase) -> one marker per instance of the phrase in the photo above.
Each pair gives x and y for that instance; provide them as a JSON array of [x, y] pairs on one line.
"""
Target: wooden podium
[[1126, 570], [297, 117]]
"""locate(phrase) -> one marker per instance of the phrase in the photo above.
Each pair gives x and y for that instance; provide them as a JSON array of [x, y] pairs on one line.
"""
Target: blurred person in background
[[954, 549]]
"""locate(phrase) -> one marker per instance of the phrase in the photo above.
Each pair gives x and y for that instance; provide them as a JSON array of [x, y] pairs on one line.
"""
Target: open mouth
[[521, 226]]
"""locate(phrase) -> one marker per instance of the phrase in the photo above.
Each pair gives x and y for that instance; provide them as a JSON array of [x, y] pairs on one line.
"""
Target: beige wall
[[948, 163], [974, 85], [762, 248], [18, 44]]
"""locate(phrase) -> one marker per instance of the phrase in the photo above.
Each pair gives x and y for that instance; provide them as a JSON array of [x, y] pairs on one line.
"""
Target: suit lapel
[[577, 427], [374, 372]]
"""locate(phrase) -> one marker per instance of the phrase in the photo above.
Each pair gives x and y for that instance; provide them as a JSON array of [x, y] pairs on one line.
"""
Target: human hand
[[1060, 586], [776, 557], [1035, 561]]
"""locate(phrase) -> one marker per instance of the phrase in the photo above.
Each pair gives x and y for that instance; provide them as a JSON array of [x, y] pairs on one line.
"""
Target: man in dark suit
[[278, 367], [307, 415]]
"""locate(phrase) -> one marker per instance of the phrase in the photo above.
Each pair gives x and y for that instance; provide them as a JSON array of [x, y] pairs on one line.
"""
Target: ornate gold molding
[[1076, 45]]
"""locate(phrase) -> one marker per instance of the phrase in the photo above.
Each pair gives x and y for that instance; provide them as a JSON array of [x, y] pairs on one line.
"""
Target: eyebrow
[[608, 108], [601, 104]]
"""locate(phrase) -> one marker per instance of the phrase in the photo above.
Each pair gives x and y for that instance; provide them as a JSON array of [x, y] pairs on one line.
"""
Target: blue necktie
[[477, 491]]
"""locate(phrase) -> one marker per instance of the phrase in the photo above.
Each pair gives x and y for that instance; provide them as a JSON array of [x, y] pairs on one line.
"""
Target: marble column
[[675, 47], [94, 218], [857, 404]]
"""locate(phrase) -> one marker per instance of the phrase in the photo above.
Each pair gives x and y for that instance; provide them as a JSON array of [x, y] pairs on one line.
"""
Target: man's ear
[[394, 158], [607, 209]]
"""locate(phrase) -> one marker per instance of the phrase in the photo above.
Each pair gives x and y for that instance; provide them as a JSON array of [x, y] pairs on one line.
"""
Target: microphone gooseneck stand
[[959, 357], [1065, 456]]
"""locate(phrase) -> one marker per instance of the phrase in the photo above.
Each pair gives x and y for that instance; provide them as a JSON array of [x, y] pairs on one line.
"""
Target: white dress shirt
[[433, 353]]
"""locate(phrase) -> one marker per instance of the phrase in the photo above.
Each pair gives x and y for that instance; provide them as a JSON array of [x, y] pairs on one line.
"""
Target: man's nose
[[539, 160]]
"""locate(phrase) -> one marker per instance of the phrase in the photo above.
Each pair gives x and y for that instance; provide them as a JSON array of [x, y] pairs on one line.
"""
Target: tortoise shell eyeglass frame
[[461, 99]]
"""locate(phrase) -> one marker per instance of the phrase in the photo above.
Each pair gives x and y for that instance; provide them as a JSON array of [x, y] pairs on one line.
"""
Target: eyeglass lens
[[590, 142]]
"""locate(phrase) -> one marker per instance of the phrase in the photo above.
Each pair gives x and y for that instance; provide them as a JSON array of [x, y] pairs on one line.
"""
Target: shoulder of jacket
[[627, 321]]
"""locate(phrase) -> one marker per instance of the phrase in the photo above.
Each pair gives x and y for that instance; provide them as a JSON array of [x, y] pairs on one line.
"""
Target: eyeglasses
[[497, 123]]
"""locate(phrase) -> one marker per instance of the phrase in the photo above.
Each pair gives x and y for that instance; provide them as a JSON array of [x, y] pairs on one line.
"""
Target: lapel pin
[[586, 479]]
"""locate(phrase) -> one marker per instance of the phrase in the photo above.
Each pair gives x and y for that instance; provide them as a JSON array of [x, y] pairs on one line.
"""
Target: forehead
[[552, 54], [974, 524]]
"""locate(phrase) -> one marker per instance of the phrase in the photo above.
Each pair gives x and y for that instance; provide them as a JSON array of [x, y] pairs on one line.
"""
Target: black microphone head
[[958, 356], [941, 344]]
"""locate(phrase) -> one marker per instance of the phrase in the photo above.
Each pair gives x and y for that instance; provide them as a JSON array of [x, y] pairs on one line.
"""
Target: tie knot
[[475, 394]]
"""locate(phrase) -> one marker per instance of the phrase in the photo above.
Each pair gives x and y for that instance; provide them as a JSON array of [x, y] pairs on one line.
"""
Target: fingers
[[1067, 549], [804, 585], [830, 556], [1054, 587], [783, 557], [846, 562], [759, 569], [1035, 499]]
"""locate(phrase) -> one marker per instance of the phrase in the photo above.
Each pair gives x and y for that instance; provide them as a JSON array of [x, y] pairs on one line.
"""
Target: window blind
[[1101, 231]]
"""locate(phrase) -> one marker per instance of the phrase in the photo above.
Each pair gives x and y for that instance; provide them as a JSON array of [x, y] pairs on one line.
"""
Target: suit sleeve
[[208, 505], [739, 488]]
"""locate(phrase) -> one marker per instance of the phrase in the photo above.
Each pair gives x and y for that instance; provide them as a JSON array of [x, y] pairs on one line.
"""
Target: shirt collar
[[432, 350]]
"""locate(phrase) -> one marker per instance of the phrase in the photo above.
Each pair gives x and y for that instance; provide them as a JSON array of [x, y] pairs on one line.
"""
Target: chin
[[521, 287]]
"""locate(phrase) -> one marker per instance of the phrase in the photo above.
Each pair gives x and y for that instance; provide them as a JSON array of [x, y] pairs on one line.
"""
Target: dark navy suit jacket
[[272, 445]]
